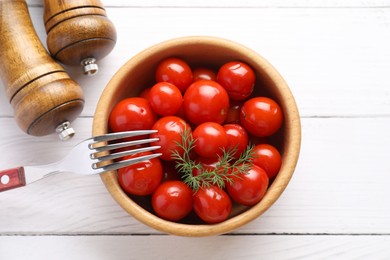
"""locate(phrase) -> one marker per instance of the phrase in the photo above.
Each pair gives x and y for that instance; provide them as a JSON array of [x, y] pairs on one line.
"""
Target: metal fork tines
[[92, 156], [103, 153]]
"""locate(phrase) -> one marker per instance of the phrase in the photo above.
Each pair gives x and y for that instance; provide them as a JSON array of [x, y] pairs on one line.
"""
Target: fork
[[94, 155]]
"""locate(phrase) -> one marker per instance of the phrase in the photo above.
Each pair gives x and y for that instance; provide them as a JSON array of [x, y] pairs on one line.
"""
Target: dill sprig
[[226, 169]]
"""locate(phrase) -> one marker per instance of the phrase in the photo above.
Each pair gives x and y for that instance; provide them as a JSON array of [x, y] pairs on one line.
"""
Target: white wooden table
[[335, 56]]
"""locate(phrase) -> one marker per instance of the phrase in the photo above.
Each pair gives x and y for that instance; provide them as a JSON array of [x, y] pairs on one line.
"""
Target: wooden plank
[[246, 3], [335, 57], [340, 186], [169, 247], [336, 62]]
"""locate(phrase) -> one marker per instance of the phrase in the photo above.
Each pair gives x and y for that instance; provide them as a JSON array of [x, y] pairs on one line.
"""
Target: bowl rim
[[291, 149]]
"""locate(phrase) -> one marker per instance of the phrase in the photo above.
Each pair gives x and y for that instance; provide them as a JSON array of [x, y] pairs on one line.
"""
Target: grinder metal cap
[[90, 67], [65, 131]]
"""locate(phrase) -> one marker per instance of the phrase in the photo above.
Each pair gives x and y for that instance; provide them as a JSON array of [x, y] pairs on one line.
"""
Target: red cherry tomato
[[206, 101], [207, 164], [204, 73], [261, 116], [212, 204], [237, 139], [211, 164], [165, 99], [267, 157], [249, 188], [175, 71], [172, 200], [210, 140], [141, 178], [132, 113], [237, 78], [169, 131]]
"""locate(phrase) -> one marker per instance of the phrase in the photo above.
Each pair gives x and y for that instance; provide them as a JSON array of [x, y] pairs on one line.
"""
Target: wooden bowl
[[138, 73]]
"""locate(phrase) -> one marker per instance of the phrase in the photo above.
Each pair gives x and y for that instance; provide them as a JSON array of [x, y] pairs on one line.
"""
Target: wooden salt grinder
[[45, 99], [78, 32]]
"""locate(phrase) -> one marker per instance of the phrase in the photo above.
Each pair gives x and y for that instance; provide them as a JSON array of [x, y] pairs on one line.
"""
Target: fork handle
[[12, 178]]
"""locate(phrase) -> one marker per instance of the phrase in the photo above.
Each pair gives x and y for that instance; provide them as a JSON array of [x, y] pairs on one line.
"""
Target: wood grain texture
[[335, 57], [133, 77], [40, 91], [222, 247], [331, 191], [78, 30], [324, 54], [246, 3]]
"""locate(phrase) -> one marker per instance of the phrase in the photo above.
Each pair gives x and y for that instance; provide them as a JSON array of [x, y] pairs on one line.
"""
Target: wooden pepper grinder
[[78, 32], [45, 99]]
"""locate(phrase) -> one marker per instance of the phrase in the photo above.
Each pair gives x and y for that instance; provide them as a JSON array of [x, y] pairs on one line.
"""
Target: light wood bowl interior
[[138, 73]]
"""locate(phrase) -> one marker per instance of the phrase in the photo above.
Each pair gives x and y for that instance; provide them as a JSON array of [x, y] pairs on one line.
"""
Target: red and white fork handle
[[12, 178]]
